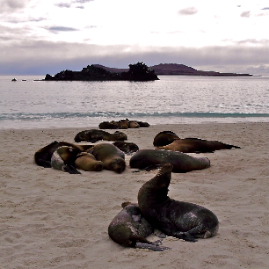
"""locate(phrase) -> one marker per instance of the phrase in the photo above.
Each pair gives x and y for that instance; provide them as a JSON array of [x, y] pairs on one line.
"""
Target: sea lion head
[[162, 180], [68, 153], [118, 165]]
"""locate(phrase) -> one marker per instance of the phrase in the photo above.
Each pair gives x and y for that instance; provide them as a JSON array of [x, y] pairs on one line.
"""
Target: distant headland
[[136, 72]]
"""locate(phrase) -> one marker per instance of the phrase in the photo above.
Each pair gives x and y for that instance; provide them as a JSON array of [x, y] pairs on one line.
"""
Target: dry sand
[[52, 219]]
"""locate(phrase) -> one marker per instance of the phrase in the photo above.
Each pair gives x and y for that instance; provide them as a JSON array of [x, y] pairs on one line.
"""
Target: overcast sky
[[48, 36]]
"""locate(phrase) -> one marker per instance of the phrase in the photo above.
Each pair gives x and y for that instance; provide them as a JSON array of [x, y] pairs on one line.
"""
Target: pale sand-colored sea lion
[[133, 124], [182, 163], [87, 162], [123, 124], [111, 156], [94, 135], [174, 218], [130, 229], [195, 145]]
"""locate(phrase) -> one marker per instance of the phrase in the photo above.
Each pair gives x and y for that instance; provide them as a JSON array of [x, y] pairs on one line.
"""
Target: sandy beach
[[52, 219]]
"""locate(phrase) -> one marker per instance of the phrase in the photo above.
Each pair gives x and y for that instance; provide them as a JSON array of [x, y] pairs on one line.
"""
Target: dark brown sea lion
[[111, 156], [42, 157], [195, 145], [87, 162], [174, 218], [94, 135], [127, 147], [143, 123], [164, 138], [63, 158], [130, 229], [182, 163], [108, 125]]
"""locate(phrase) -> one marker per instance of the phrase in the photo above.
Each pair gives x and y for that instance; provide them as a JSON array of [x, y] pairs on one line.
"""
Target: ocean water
[[171, 100]]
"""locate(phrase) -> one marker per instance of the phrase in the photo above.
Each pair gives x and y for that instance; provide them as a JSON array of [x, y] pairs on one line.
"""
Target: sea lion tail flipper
[[70, 169], [185, 236], [150, 246]]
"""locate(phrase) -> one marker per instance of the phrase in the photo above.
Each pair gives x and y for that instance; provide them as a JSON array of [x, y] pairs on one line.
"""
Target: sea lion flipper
[[150, 246], [184, 236], [70, 169]]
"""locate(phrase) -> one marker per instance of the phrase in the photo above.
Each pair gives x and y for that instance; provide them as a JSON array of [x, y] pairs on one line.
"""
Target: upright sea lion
[[63, 158], [87, 162], [164, 138], [182, 163], [111, 156], [175, 218], [127, 147], [130, 229], [195, 145], [42, 157], [94, 135]]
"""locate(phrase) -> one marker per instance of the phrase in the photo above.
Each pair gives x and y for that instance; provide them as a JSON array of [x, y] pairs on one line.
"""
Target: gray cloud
[[61, 29], [12, 5], [47, 57], [265, 8], [69, 5], [188, 11]]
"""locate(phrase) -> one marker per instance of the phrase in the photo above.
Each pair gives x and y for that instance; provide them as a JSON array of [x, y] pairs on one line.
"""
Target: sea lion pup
[[174, 218], [196, 145], [63, 158], [42, 157], [164, 138], [94, 135], [108, 125], [127, 147], [87, 162], [111, 156], [182, 163], [130, 229]]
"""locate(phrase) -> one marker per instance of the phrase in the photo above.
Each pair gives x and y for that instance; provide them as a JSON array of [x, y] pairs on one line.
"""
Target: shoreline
[[51, 219]]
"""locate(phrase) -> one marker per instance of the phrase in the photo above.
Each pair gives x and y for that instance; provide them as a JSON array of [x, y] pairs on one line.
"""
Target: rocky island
[[136, 72]]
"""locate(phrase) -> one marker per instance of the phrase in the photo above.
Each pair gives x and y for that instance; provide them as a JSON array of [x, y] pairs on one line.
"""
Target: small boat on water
[[14, 79]]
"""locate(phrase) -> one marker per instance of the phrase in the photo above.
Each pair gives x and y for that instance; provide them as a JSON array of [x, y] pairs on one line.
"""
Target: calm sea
[[171, 100]]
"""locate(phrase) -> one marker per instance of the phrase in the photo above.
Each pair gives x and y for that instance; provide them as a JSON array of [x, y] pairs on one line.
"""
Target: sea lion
[[111, 156], [94, 135], [87, 162], [182, 163], [130, 229], [63, 158], [143, 123], [123, 124], [164, 138], [133, 124], [108, 125], [196, 145], [127, 147], [174, 218], [42, 157]]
